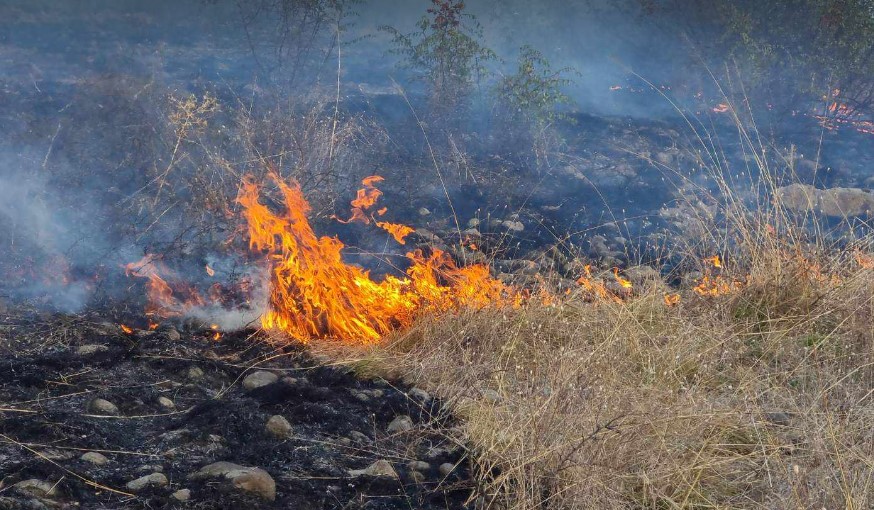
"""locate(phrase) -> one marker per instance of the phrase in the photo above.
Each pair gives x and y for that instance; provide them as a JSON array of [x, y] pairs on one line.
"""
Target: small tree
[[529, 102], [447, 51]]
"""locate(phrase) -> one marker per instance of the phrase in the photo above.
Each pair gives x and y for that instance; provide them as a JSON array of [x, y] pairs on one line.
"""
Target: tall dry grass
[[758, 398]]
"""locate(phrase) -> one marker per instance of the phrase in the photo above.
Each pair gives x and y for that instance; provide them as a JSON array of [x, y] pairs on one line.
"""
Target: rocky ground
[[92, 417]]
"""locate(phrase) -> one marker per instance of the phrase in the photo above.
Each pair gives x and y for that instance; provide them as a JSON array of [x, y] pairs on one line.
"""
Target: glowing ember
[[314, 294], [672, 299], [595, 288], [721, 108], [210, 271], [126, 329], [162, 301], [714, 261], [625, 284], [865, 260]]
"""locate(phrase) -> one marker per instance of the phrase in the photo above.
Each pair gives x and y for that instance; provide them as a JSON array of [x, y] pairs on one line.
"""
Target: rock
[[95, 458], [360, 395], [378, 468], [446, 469], [248, 479], [166, 403], [172, 334], [423, 211], [181, 495], [418, 465], [420, 394], [37, 487], [152, 480], [491, 396], [259, 379], [835, 202], [473, 223], [278, 426], [89, 349], [375, 393], [778, 418], [194, 374], [472, 232], [400, 424], [359, 437], [513, 226], [102, 406]]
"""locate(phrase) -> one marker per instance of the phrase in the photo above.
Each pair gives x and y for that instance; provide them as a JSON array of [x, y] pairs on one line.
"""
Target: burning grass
[[760, 398]]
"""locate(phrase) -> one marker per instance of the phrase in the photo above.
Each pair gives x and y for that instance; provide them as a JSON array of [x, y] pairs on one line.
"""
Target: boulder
[[249, 479]]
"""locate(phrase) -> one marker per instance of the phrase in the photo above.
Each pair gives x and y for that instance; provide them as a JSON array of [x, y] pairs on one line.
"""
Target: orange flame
[[314, 294], [672, 299], [162, 302], [126, 329], [399, 232], [625, 284], [210, 271]]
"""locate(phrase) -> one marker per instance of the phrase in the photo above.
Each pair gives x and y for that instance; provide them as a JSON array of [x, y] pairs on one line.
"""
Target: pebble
[[152, 480], [418, 465], [514, 226], [166, 403], [181, 495], [102, 406], [259, 379], [420, 394], [37, 487], [378, 468], [172, 334], [446, 468], [278, 426], [86, 350], [194, 373], [359, 437], [248, 479], [491, 396], [98, 459], [400, 424]]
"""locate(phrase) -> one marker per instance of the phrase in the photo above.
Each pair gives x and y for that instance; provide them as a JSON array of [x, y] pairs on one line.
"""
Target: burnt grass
[[339, 422]]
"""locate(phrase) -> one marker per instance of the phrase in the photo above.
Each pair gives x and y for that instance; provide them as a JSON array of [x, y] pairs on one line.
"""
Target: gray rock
[[181, 495], [249, 479], [418, 477], [400, 424], [513, 226], [835, 202], [420, 394], [473, 223], [259, 379], [172, 334], [102, 406], [88, 349], [446, 468], [152, 480], [95, 458], [359, 437], [278, 426], [418, 465], [37, 487], [423, 211], [377, 469], [166, 403], [194, 373], [491, 396]]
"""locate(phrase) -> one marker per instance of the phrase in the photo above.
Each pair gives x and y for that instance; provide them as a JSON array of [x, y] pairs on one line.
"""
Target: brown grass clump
[[701, 405]]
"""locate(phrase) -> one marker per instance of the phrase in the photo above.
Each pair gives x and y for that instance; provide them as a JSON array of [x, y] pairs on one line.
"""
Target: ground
[[54, 369]]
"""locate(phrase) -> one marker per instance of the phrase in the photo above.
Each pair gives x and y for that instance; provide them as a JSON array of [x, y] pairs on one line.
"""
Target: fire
[[126, 329], [162, 302], [399, 232], [715, 285], [864, 260], [314, 294], [210, 271], [367, 198], [721, 108], [672, 299], [714, 261], [596, 289], [625, 284]]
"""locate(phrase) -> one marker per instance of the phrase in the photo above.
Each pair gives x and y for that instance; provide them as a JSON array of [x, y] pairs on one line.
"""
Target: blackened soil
[[339, 423]]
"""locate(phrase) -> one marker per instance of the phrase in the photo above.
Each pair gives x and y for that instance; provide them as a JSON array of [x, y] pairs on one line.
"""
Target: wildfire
[[365, 199], [161, 299], [127, 330], [314, 294], [625, 284], [715, 285], [864, 260], [595, 288], [672, 299], [721, 108]]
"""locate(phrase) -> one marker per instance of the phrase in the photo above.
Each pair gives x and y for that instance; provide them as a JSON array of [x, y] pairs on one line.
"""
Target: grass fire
[[438, 255]]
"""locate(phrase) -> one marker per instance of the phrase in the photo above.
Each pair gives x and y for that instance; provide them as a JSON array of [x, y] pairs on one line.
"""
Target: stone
[[151, 480], [249, 479], [166, 403], [778, 418], [89, 349], [37, 487], [98, 459], [194, 374], [259, 379], [491, 396], [446, 468], [418, 477], [102, 406], [423, 211], [359, 437], [513, 226], [835, 202], [473, 223], [172, 334], [181, 495], [420, 394], [400, 424], [278, 426], [418, 465], [377, 469]]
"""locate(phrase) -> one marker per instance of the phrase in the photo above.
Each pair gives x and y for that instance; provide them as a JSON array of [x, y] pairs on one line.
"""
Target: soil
[[48, 384]]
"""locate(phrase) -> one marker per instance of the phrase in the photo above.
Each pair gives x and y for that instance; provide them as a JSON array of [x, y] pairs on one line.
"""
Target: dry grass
[[702, 405]]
